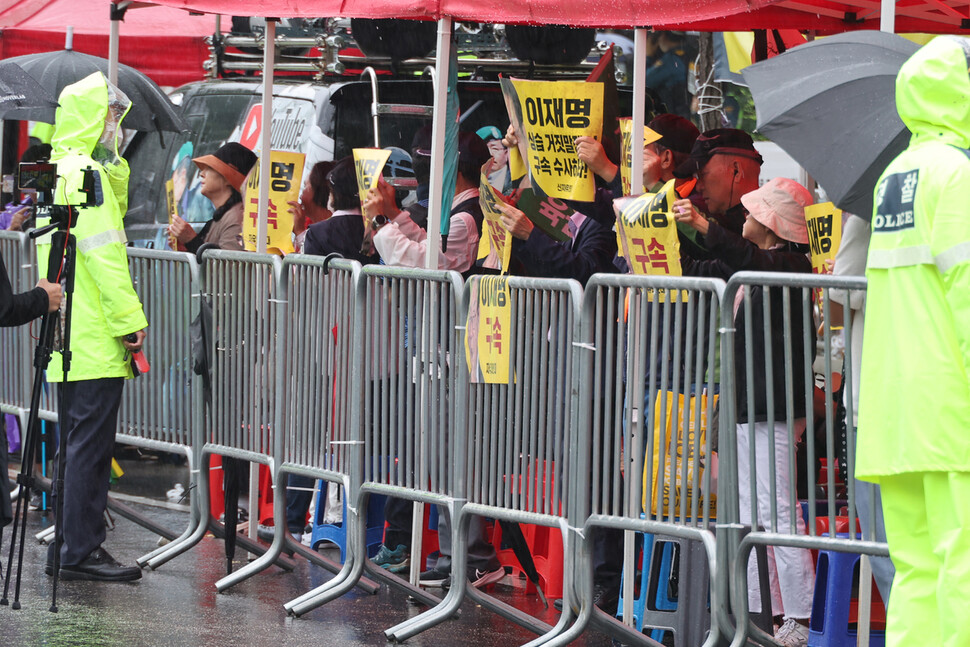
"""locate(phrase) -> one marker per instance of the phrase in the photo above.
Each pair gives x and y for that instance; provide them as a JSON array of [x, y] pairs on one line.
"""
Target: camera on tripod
[[42, 178]]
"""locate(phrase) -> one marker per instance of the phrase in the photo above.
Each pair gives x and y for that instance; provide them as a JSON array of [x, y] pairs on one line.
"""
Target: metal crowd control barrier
[[786, 301], [511, 440], [645, 392], [160, 409], [314, 367], [15, 343], [240, 422], [405, 348]]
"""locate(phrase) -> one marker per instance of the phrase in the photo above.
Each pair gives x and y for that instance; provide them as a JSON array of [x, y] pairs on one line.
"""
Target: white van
[[324, 121]]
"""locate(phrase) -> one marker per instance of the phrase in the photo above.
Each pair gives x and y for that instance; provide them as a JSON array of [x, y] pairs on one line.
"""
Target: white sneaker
[[480, 579], [792, 634]]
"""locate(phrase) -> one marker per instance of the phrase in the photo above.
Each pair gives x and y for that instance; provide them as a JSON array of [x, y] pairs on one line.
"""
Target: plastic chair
[[834, 609], [545, 544], [335, 533]]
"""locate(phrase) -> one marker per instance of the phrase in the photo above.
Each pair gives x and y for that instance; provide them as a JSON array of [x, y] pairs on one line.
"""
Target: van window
[[480, 104]]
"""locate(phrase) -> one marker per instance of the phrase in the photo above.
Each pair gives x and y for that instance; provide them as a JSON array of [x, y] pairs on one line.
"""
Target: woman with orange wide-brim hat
[[223, 174]]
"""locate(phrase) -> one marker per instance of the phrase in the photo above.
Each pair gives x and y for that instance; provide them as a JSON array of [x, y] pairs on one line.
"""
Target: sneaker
[[480, 579], [433, 578], [792, 634], [395, 560]]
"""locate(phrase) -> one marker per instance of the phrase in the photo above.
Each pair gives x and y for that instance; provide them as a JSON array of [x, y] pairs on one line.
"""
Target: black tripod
[[60, 267]]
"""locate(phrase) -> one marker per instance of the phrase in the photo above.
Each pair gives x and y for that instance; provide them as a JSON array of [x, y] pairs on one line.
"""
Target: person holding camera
[[107, 319]]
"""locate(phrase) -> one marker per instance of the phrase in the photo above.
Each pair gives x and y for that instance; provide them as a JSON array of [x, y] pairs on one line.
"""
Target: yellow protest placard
[[170, 200], [647, 232], [626, 154], [286, 169], [488, 343], [824, 222], [554, 114], [368, 162], [517, 153], [497, 237]]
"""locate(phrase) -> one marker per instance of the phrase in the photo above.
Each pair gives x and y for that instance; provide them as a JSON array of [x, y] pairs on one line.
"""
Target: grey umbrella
[[20, 94], [150, 107], [831, 104]]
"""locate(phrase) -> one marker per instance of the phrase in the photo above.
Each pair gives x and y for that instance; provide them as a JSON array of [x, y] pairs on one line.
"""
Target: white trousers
[[790, 571]]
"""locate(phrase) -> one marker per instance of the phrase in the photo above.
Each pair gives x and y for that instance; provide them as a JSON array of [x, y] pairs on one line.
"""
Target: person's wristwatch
[[379, 221]]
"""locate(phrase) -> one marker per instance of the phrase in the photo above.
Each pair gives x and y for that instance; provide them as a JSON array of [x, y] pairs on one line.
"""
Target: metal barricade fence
[[315, 367], [646, 390], [160, 409], [512, 458], [242, 288], [404, 354], [769, 348], [16, 347]]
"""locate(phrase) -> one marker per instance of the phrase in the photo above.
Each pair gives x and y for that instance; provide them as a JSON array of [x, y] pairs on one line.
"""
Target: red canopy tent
[[166, 44], [823, 16]]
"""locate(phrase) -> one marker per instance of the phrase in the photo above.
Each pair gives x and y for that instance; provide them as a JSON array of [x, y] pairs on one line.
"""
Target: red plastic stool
[[545, 544]]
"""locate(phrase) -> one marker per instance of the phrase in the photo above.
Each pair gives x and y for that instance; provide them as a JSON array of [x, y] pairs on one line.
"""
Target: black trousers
[[89, 417]]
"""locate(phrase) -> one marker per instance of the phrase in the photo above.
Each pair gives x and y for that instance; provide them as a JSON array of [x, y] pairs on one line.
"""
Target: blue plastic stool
[[335, 533], [655, 576], [829, 625]]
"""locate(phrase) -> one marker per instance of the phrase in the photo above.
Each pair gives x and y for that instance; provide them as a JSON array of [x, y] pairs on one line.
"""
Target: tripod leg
[[42, 355]]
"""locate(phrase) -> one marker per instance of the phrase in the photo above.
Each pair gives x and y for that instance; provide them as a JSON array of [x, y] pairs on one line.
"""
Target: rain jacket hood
[[933, 92], [81, 122]]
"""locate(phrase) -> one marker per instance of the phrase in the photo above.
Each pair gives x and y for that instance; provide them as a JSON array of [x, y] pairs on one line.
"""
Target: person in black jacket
[[16, 310], [774, 239], [343, 231]]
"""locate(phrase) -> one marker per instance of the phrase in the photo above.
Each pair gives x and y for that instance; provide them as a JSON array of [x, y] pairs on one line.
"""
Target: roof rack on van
[[317, 52]]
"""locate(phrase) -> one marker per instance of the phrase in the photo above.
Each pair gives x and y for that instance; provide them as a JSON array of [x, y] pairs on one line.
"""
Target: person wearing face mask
[[223, 174], [107, 315], [774, 239]]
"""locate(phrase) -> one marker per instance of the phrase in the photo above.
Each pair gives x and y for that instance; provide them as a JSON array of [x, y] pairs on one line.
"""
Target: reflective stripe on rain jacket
[[105, 304], [914, 409]]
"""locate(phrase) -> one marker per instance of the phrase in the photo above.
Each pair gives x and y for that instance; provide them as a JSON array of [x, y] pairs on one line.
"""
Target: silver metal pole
[[887, 16], [269, 56], [442, 63], [113, 52], [639, 108]]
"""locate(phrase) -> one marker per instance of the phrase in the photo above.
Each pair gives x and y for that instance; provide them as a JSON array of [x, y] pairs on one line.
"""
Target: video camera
[[42, 178]]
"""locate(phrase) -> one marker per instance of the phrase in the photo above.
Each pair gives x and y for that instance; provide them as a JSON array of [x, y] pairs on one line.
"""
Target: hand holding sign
[[686, 214], [591, 152], [515, 221]]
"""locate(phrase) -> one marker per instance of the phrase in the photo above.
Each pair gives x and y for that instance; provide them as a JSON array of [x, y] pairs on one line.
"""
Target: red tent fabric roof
[[166, 44], [823, 16], [598, 13]]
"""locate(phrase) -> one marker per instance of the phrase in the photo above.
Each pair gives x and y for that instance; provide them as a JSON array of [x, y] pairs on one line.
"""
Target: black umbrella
[[831, 104], [512, 534], [150, 107], [21, 96]]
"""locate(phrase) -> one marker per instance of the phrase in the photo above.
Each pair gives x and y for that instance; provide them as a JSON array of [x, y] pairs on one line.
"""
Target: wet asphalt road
[[178, 604]]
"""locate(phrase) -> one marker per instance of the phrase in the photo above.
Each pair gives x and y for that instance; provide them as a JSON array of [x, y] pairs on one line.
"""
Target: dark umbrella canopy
[[831, 105], [21, 96], [150, 107]]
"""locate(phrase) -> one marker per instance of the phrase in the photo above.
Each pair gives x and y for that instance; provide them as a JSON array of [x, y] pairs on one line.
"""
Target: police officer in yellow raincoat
[[914, 409], [105, 310]]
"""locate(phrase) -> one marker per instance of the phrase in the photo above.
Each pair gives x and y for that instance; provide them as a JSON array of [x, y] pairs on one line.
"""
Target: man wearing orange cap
[[223, 174]]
